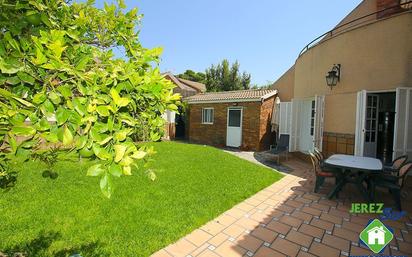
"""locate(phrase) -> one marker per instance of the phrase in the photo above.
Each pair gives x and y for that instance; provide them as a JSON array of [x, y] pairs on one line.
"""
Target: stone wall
[[338, 143]]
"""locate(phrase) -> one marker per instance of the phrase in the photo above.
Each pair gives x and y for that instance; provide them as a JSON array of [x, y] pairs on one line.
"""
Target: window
[[312, 118], [235, 116], [207, 115]]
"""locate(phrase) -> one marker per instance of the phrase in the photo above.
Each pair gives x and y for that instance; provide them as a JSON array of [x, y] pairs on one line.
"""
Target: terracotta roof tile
[[229, 96]]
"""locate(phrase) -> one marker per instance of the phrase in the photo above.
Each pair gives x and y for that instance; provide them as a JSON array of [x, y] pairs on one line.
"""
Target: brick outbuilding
[[234, 118]]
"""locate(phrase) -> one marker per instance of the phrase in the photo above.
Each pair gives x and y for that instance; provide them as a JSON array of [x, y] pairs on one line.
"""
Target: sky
[[265, 36]]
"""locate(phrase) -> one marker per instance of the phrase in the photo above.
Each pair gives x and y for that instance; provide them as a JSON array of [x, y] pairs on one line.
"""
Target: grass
[[194, 184]]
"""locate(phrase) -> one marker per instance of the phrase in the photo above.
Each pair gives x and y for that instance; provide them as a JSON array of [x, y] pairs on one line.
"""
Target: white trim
[[408, 104], [213, 115]]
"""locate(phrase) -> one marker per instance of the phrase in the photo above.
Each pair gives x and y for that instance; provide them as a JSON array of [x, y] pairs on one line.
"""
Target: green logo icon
[[376, 236]]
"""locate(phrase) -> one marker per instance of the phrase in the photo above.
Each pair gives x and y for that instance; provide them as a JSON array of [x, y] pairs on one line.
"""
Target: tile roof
[[186, 84], [196, 85], [233, 96]]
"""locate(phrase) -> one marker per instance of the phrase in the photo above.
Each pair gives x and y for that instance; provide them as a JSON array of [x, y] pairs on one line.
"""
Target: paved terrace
[[288, 219]]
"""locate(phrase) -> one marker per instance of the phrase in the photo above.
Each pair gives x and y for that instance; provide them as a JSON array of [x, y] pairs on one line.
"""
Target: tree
[[223, 77], [193, 76], [61, 85]]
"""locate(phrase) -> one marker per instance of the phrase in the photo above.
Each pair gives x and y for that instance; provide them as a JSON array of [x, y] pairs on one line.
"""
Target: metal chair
[[282, 146], [393, 183], [395, 165], [319, 172]]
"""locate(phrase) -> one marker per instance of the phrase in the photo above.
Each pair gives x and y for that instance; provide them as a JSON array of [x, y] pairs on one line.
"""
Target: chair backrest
[[315, 162], [283, 142], [403, 172], [398, 162], [319, 154]]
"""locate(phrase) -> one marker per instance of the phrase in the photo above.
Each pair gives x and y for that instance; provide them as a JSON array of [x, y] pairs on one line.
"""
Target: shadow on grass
[[40, 246]]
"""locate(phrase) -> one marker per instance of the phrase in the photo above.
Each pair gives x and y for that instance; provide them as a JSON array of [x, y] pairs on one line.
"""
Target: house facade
[[176, 123], [369, 110], [240, 119]]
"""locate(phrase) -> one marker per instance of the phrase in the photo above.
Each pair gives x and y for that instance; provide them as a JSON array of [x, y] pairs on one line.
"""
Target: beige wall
[[285, 85], [377, 56]]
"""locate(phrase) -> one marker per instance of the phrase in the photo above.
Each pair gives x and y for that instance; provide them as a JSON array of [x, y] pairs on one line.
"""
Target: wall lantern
[[333, 76]]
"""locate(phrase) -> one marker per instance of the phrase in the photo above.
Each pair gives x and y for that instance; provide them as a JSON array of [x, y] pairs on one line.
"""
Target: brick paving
[[288, 219]]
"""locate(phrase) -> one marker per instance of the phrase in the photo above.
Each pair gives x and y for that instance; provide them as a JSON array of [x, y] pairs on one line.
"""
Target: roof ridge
[[233, 91]]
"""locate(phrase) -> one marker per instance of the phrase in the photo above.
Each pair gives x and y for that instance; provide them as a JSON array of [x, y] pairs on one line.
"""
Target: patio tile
[[291, 221], [267, 252], [230, 249], [312, 197], [299, 238], [198, 237], [312, 211], [356, 250], [264, 234], [331, 218], [321, 207], [218, 239], [405, 247], [339, 213], [326, 225], [247, 223], [294, 203], [353, 226], [261, 217], [346, 234], [181, 248], [336, 242], [236, 213], [249, 242], [225, 219], [213, 227], [200, 249], [285, 208], [311, 230], [302, 215], [234, 230], [244, 206], [305, 254], [285, 246], [207, 253], [278, 227], [323, 250]]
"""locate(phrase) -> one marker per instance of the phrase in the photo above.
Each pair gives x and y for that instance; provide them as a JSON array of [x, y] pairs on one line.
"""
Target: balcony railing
[[355, 22]]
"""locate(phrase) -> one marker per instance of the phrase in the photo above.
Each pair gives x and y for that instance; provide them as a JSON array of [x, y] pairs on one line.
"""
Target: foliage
[[196, 185], [223, 77], [267, 85], [60, 84], [193, 76]]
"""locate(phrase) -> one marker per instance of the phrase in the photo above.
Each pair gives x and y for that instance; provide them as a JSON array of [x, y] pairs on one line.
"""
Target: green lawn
[[69, 215]]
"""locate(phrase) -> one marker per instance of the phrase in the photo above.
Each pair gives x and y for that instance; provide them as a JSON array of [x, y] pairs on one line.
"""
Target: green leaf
[[39, 98], [127, 170], [119, 101], [115, 170], [23, 76], [121, 135], [95, 170], [103, 110], [67, 136], [139, 155], [101, 153], [119, 152], [106, 185], [43, 125], [62, 115], [23, 131], [12, 142], [65, 91], [105, 140], [151, 175], [55, 98]]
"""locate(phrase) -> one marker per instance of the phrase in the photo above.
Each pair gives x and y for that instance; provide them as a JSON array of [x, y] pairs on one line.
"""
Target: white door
[[285, 119], [360, 123], [234, 127], [402, 143], [317, 117], [296, 123], [371, 125]]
